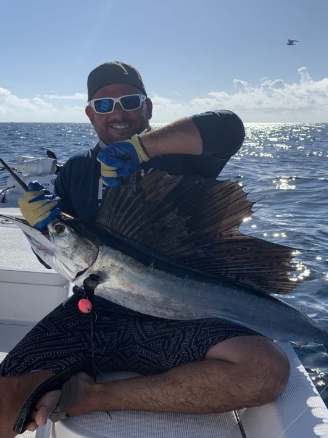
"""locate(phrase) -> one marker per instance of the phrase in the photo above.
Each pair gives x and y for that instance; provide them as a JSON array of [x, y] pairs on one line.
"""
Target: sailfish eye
[[59, 227]]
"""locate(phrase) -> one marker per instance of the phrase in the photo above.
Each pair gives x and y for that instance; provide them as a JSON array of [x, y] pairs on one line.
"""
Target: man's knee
[[263, 365], [273, 370]]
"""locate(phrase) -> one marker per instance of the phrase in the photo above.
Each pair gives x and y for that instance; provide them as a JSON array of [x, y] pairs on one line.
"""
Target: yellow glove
[[120, 159], [39, 206]]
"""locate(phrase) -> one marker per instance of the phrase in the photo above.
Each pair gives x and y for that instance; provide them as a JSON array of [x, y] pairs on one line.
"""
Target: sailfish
[[170, 247]]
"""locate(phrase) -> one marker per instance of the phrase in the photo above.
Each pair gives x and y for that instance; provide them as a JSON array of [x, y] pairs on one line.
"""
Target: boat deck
[[29, 291]]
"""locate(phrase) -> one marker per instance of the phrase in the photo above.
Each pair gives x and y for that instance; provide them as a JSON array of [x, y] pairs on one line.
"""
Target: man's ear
[[149, 107], [89, 112]]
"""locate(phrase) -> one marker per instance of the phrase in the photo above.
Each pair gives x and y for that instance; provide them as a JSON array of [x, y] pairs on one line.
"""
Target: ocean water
[[284, 167]]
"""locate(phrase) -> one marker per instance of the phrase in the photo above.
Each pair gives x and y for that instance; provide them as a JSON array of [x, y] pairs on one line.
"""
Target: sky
[[193, 55]]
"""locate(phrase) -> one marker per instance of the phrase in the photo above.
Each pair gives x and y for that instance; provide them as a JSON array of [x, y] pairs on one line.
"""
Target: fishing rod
[[14, 175]]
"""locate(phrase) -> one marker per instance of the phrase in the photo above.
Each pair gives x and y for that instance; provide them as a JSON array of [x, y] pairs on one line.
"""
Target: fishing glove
[[120, 159], [39, 206]]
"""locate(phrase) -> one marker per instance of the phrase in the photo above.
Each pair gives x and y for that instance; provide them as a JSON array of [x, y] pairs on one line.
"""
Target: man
[[198, 366]]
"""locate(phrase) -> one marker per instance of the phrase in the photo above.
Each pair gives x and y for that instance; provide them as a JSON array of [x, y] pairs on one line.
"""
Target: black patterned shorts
[[113, 338]]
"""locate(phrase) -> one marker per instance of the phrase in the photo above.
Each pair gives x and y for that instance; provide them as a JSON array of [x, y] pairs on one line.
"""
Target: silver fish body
[[144, 289]]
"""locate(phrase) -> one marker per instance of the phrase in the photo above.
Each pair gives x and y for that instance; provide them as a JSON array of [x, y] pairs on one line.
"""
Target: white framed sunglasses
[[105, 105]]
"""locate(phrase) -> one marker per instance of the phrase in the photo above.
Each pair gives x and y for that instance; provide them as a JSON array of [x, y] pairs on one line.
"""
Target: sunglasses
[[106, 105]]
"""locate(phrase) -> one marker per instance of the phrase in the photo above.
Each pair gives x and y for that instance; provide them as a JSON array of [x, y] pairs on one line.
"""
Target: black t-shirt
[[79, 182]]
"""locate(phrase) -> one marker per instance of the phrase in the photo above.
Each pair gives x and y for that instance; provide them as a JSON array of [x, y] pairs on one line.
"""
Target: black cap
[[113, 73]]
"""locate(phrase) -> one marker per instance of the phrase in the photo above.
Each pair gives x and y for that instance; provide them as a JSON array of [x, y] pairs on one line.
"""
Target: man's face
[[119, 124]]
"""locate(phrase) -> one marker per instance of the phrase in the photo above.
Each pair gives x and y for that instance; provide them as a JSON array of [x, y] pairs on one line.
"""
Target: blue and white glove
[[120, 159], [39, 206]]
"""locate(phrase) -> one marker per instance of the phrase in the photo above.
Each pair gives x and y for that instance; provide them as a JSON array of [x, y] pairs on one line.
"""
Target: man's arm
[[199, 145], [180, 137], [215, 132]]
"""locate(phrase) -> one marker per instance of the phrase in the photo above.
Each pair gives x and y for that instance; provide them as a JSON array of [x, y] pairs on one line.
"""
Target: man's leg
[[188, 366], [61, 341], [236, 373], [14, 391]]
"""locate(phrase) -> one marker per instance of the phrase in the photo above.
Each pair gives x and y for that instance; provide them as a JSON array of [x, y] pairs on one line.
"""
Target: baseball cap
[[115, 72]]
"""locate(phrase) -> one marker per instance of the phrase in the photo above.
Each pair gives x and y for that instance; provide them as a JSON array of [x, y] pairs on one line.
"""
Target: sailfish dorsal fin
[[194, 221]]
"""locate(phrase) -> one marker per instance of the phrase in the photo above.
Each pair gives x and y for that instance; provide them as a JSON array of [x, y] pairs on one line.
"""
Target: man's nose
[[118, 108]]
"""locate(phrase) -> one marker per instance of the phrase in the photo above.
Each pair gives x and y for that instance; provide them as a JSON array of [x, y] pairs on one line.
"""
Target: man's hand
[[39, 206], [120, 159]]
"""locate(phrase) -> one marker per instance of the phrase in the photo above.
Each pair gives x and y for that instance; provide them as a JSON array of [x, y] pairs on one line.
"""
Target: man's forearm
[[180, 137]]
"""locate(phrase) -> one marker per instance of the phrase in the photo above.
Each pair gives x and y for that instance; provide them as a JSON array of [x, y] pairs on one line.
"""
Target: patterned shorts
[[113, 338]]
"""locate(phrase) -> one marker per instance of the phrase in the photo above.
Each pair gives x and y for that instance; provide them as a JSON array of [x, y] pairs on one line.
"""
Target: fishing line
[[308, 407], [93, 319], [92, 340], [87, 306], [96, 370], [324, 389]]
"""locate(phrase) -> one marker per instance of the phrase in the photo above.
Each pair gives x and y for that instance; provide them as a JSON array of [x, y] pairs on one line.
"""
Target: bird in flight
[[291, 42]]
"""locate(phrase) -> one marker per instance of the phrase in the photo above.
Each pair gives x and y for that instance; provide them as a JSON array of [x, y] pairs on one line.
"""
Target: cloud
[[40, 109], [271, 100], [275, 100], [13, 108], [75, 96]]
